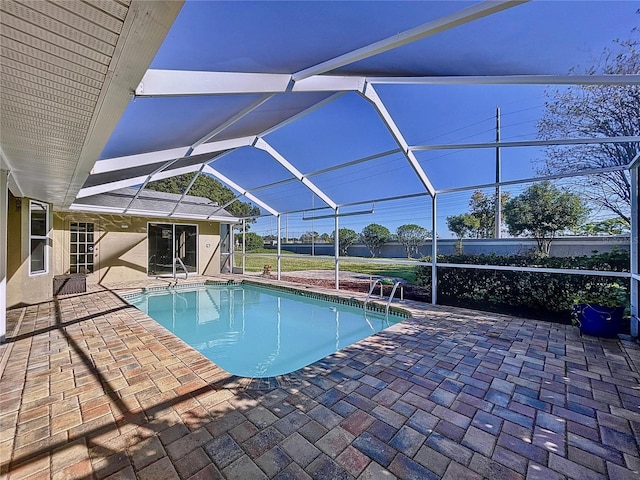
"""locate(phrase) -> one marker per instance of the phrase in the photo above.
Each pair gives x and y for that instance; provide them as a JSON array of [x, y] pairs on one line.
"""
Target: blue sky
[[459, 115], [547, 37]]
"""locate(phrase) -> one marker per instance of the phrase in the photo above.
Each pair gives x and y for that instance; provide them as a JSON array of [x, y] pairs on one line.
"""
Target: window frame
[[45, 207]]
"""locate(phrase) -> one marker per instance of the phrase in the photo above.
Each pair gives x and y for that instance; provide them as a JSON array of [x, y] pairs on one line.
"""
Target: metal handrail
[[370, 292], [186, 272], [393, 291]]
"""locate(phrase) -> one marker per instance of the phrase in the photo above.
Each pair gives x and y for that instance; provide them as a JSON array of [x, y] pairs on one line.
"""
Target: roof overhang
[[66, 80]]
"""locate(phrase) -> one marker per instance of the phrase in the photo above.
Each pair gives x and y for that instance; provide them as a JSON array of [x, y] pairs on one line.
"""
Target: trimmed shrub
[[541, 295]]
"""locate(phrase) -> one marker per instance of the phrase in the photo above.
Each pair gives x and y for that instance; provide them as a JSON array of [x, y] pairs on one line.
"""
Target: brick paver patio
[[92, 388]]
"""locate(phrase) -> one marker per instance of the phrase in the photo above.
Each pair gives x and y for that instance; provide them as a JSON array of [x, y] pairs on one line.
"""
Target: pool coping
[[235, 382]]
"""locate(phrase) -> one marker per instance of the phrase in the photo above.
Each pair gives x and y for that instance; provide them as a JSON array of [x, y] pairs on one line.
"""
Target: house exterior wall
[[23, 288], [120, 252]]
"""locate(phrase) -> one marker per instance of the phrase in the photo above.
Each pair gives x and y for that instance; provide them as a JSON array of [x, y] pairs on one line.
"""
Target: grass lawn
[[293, 263]]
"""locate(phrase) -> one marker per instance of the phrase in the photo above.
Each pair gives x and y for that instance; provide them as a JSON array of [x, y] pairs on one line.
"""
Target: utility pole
[[498, 214]]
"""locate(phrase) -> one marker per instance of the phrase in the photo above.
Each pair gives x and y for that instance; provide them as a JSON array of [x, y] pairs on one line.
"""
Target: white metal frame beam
[[222, 207], [447, 22], [557, 176], [211, 171], [4, 202], [186, 190], [147, 180], [635, 162], [372, 96], [233, 119], [177, 83], [526, 143], [633, 247], [76, 207], [150, 158], [129, 161], [510, 80], [261, 144], [130, 182], [303, 113]]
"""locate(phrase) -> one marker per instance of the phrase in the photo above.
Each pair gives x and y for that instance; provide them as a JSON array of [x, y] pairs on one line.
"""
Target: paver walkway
[[92, 388]]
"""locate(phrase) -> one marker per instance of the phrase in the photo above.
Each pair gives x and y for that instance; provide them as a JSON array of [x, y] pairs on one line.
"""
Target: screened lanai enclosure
[[336, 115]]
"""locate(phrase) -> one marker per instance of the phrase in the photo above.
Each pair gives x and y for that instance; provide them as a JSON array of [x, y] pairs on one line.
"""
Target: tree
[[542, 211], [597, 111], [411, 236], [374, 235], [483, 207], [253, 241], [325, 238], [461, 226], [309, 236], [610, 226], [347, 237], [479, 222], [206, 187]]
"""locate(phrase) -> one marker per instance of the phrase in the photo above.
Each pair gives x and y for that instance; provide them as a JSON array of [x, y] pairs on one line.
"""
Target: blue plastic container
[[598, 320]]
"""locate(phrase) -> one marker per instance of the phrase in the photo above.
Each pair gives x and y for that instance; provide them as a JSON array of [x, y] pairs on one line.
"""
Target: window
[[81, 247], [38, 231]]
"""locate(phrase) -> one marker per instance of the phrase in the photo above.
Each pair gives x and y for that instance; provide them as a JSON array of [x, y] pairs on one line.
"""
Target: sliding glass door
[[172, 246]]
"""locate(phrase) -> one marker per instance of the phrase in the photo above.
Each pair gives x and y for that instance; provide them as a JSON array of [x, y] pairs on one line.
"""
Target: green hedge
[[542, 295]]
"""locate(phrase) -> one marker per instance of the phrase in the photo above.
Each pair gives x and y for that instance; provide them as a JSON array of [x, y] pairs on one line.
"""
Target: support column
[[232, 247], [244, 245], [4, 202], [336, 249], [434, 251], [279, 245], [634, 250], [498, 214]]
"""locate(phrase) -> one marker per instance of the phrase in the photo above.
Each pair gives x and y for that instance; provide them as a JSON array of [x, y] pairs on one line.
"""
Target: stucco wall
[[120, 253], [121, 250], [21, 287]]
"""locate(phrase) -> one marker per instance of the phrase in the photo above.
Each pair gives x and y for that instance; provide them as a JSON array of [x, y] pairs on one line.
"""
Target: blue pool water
[[257, 332]]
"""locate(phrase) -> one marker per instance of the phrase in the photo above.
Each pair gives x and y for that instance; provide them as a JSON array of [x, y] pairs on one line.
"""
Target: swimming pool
[[258, 332]]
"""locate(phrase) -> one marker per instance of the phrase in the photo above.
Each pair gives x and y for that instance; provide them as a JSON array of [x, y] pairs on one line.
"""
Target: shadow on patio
[[93, 388]]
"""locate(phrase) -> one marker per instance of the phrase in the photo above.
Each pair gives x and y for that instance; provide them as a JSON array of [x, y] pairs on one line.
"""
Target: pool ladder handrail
[[373, 286], [186, 272], [393, 291]]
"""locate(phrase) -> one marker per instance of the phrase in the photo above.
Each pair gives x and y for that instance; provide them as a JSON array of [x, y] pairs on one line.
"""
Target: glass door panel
[[81, 260], [160, 249], [186, 247], [225, 248]]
